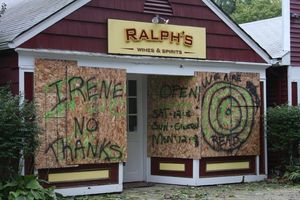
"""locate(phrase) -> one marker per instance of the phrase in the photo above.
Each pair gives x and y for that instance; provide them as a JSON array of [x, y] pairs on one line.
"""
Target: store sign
[[139, 38]]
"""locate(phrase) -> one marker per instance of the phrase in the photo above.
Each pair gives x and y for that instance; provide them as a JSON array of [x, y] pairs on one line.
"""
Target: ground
[[247, 191]]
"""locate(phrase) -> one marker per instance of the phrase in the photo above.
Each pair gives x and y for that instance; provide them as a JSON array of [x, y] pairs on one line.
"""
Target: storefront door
[[133, 169]]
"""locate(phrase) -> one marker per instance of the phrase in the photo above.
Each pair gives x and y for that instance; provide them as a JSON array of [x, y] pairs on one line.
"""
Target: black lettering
[[102, 150], [79, 147], [75, 87], [92, 125], [118, 91], [105, 88], [78, 126], [59, 98], [90, 87], [117, 149], [92, 149]]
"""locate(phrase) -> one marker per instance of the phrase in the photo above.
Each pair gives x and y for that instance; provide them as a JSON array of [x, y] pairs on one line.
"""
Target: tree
[[242, 11], [229, 6], [3, 8], [256, 10], [18, 132]]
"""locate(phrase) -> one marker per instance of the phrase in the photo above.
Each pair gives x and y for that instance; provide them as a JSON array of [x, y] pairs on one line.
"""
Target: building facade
[[155, 91]]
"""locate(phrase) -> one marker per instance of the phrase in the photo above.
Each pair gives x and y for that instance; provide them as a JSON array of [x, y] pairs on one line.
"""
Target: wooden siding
[[295, 34], [277, 86], [9, 71], [294, 94], [86, 28]]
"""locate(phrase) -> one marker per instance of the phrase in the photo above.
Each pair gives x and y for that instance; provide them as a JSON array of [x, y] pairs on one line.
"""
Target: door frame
[[141, 119]]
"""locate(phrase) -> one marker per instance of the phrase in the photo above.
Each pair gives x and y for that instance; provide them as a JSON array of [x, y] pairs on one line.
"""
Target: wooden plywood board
[[230, 114], [173, 117], [82, 112]]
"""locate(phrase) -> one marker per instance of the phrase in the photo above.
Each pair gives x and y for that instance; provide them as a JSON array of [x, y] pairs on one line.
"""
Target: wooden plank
[[173, 117], [229, 114], [82, 112]]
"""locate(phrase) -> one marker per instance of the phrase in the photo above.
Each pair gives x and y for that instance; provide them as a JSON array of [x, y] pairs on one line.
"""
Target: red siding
[[294, 94], [86, 28], [295, 34], [9, 71], [277, 86]]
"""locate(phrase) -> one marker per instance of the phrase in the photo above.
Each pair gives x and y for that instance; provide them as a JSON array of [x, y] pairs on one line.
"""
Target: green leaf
[[32, 183]]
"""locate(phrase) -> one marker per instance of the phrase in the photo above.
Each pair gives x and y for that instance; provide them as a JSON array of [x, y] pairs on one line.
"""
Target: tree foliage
[[283, 131], [2, 9], [18, 132], [242, 11]]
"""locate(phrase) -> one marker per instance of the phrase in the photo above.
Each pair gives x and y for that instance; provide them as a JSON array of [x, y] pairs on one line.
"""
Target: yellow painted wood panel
[[227, 166], [172, 167], [78, 176]]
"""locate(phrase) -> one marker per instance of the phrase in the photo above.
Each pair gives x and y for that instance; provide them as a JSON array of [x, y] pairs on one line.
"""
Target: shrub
[[25, 187], [283, 133], [18, 132], [292, 173]]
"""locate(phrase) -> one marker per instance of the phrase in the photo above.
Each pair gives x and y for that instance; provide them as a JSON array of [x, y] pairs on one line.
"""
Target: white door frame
[[140, 124]]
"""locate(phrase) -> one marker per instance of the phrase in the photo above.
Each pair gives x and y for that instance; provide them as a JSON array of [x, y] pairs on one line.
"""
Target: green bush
[[283, 136], [19, 132], [292, 173], [25, 187]]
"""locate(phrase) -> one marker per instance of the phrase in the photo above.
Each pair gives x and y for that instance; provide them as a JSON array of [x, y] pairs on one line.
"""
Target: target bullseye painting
[[227, 107], [230, 114]]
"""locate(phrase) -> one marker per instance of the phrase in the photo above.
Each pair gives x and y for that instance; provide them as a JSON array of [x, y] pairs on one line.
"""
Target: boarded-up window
[[209, 115], [82, 114]]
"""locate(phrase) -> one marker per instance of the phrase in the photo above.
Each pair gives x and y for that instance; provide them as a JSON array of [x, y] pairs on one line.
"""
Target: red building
[[155, 91]]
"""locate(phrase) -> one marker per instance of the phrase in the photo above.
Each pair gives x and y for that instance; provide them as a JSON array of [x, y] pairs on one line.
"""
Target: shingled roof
[[25, 14], [268, 34]]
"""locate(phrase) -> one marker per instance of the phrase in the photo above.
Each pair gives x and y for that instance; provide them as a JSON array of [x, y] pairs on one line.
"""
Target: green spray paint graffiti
[[95, 97], [89, 91]]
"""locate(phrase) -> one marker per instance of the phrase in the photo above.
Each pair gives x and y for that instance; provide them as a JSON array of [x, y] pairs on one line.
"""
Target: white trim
[[46, 23], [139, 64], [75, 191], [265, 128], [148, 169], [180, 62], [230, 179], [196, 167], [145, 114], [206, 181], [286, 25], [239, 31], [22, 91], [257, 165], [121, 174], [172, 180], [290, 77], [136, 136]]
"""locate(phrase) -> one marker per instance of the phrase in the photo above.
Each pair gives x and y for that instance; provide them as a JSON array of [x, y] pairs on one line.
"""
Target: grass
[[233, 191]]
